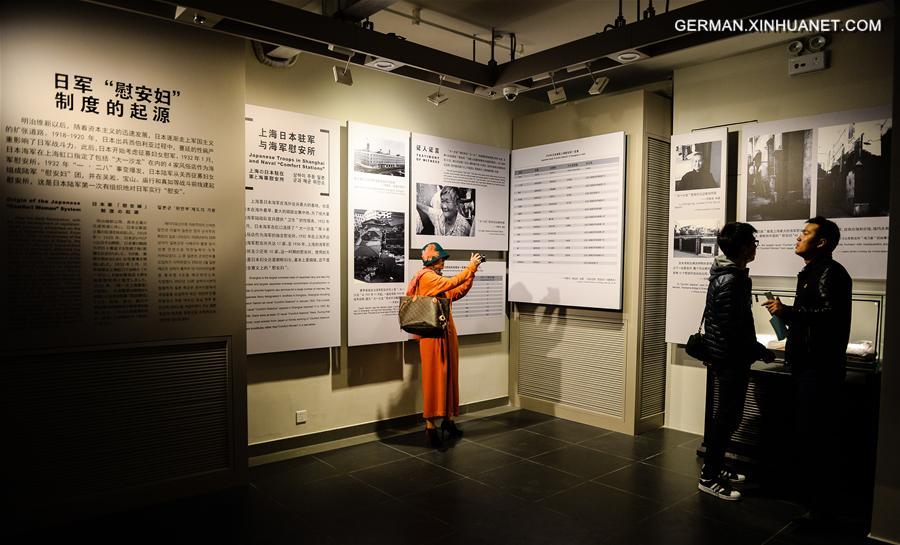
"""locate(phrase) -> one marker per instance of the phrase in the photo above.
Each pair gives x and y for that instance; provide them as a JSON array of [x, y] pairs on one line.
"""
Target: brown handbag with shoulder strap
[[425, 316]]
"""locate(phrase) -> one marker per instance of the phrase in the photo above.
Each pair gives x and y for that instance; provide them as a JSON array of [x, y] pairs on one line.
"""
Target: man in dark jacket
[[730, 342], [818, 330]]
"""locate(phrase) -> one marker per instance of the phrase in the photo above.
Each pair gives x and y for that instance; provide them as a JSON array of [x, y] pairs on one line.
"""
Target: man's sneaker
[[732, 476], [719, 490]]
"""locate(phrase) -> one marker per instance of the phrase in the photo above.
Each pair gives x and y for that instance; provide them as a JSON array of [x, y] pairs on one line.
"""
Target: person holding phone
[[440, 356], [818, 325], [731, 345]]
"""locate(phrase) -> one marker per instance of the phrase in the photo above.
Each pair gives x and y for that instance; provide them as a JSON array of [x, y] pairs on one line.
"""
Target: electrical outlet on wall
[[300, 417]]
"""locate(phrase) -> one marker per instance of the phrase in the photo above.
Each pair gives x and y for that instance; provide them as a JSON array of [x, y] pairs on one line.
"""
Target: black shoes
[[433, 438], [449, 427]]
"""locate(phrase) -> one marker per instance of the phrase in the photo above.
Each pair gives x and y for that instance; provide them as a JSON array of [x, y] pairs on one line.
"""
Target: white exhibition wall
[[363, 384], [717, 93]]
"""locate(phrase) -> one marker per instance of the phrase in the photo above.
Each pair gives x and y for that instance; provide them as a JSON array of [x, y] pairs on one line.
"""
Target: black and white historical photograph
[[854, 162], [381, 156], [779, 170], [445, 210], [378, 255], [697, 166], [695, 238]]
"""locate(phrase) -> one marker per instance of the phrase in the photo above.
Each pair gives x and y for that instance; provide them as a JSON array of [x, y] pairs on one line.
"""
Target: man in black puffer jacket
[[730, 342], [818, 330]]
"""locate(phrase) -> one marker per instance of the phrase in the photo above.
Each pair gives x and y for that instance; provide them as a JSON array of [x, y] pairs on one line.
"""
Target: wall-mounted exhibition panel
[[460, 194], [292, 183], [567, 223], [834, 165], [121, 181], [696, 213], [483, 308], [378, 234]]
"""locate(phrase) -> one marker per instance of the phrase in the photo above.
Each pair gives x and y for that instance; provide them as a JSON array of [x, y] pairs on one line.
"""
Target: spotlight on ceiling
[[816, 43], [437, 98], [628, 56], [342, 75], [795, 47], [381, 63], [599, 85], [557, 94]]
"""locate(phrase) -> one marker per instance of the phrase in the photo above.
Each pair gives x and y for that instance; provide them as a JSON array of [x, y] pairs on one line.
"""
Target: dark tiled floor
[[520, 477]]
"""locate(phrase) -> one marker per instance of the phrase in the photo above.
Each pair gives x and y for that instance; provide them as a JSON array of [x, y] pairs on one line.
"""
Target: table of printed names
[[484, 300], [567, 215]]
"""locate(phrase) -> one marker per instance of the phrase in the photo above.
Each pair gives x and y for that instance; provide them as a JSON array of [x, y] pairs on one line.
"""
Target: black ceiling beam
[[275, 23], [264, 19], [651, 35], [353, 10]]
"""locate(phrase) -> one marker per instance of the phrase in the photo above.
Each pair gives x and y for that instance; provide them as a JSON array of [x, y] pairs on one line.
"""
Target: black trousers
[[731, 384], [818, 413]]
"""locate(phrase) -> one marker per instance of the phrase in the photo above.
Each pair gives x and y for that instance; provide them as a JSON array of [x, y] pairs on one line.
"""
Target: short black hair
[[733, 236], [827, 230]]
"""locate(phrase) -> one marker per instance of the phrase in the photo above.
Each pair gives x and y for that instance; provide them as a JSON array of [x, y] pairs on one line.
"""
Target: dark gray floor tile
[[483, 428], [584, 462], [529, 480], [651, 482], [360, 456], [521, 418], [566, 430], [411, 443], [602, 507], [670, 437], [626, 446], [765, 515], [839, 531], [292, 472], [692, 444], [404, 477], [385, 523], [680, 460], [532, 524], [469, 458], [325, 497], [671, 527], [462, 502], [523, 443]]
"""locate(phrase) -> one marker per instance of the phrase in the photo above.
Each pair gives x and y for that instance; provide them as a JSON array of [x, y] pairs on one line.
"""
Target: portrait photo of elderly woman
[[445, 210]]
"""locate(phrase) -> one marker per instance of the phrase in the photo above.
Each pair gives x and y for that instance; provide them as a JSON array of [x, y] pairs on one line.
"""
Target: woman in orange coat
[[440, 356]]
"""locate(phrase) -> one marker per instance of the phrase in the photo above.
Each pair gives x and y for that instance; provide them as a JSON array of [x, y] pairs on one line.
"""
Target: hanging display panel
[[567, 223], [293, 202], [835, 165], [378, 234], [696, 213], [483, 309], [460, 194]]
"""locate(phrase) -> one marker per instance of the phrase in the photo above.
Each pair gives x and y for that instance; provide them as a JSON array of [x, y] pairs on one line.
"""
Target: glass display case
[[866, 328]]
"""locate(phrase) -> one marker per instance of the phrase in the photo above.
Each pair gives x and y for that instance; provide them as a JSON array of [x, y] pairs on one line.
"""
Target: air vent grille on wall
[[573, 361], [653, 307], [103, 420]]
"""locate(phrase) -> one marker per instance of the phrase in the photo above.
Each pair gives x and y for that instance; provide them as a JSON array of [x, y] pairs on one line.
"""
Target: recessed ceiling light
[[381, 63], [627, 56]]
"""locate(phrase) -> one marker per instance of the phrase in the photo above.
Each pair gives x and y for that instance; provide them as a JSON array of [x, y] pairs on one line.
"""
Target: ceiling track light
[[556, 95], [344, 77], [598, 84], [437, 98]]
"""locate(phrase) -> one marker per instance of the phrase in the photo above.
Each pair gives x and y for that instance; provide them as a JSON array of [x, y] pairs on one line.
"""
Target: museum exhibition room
[[450, 271]]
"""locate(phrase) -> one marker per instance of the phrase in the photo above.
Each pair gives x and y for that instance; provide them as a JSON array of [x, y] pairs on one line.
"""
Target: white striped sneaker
[[732, 476], [719, 490]]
